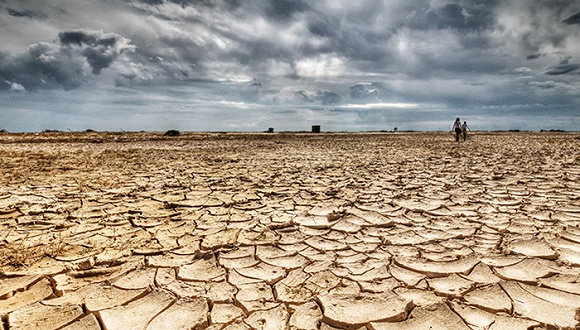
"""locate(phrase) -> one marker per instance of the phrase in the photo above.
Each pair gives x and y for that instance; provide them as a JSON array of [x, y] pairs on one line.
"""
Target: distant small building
[[171, 132], [270, 129], [315, 128]]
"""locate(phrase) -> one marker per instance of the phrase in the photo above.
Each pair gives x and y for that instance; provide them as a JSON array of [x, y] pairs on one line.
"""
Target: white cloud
[[16, 87], [522, 69]]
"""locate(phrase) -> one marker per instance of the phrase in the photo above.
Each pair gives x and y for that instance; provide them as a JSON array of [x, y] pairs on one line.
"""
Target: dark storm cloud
[[152, 2], [285, 9], [541, 20], [362, 35], [100, 49], [365, 34], [534, 56], [17, 13], [325, 27], [278, 9], [89, 38], [44, 65], [303, 95], [369, 35], [207, 3], [64, 63], [563, 67], [321, 97], [271, 42], [468, 16], [328, 97], [359, 93], [574, 19], [362, 92]]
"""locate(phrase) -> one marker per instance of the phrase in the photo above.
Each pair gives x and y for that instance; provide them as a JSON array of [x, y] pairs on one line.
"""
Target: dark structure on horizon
[[171, 132]]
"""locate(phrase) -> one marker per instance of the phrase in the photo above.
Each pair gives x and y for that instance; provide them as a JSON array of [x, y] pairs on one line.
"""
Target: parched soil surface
[[290, 231]]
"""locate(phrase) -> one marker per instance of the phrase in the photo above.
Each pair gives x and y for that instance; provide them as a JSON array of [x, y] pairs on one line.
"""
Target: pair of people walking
[[460, 129]]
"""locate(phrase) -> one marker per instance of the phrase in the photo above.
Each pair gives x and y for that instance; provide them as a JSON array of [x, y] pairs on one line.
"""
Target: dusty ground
[[290, 231]]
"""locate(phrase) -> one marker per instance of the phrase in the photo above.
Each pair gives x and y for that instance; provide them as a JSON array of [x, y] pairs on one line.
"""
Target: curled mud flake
[[88, 322], [305, 316], [437, 269], [478, 318], [9, 213], [9, 286], [482, 273], [185, 313], [342, 310], [565, 283], [323, 244], [274, 318], [537, 309], [263, 271], [38, 316], [491, 298], [103, 296], [169, 259], [453, 286], [140, 312], [36, 292], [225, 313], [137, 279], [554, 296], [437, 316], [237, 263], [204, 269], [313, 221], [220, 239], [527, 271]]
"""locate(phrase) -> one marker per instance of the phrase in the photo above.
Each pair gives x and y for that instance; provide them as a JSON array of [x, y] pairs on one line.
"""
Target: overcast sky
[[246, 65]]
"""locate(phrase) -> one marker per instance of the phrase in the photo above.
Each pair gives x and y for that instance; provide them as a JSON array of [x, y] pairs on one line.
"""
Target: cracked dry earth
[[290, 231]]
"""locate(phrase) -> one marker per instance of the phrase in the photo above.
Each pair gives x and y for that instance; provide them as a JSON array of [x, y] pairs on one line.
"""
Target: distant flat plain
[[290, 230]]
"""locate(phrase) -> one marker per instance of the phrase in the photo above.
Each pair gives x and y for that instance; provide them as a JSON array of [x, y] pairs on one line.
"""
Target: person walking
[[457, 128], [464, 129]]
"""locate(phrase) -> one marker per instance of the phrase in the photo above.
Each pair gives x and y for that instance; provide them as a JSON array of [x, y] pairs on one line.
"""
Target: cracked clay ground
[[289, 231]]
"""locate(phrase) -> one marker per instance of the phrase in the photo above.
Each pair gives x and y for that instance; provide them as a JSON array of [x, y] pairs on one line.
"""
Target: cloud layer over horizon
[[248, 65]]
